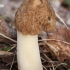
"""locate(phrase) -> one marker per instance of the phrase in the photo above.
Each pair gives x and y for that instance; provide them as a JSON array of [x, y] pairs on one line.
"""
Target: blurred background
[[62, 7]]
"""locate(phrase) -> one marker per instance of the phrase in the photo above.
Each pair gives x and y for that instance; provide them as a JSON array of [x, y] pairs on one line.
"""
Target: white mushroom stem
[[28, 55]]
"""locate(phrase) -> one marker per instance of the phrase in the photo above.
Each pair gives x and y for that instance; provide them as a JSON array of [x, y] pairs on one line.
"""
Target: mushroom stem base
[[28, 55]]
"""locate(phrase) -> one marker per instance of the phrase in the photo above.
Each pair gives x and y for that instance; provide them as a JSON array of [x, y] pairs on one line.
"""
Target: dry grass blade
[[44, 67], [5, 53], [48, 58], [12, 48], [54, 40], [50, 69], [43, 59], [12, 62], [64, 64], [53, 67], [41, 44], [52, 47], [8, 38], [61, 19]]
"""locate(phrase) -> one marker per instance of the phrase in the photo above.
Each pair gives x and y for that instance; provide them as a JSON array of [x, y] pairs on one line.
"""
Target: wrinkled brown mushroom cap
[[33, 20]]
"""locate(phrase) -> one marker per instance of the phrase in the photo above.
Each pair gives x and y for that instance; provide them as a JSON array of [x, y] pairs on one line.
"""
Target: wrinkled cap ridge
[[33, 20]]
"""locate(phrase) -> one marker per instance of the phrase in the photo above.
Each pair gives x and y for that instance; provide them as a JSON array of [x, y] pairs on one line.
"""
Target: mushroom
[[32, 17]]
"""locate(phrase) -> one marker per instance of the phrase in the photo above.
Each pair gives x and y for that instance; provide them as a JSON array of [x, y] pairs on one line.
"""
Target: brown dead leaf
[[6, 29], [59, 49], [60, 33], [6, 56], [6, 32], [5, 53], [67, 35], [60, 40]]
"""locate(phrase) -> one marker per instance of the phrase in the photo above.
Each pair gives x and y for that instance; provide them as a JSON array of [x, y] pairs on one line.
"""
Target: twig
[[12, 48], [48, 58], [53, 67], [50, 69], [44, 67], [64, 64], [41, 44], [12, 62], [54, 40], [8, 38], [61, 20], [43, 59]]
